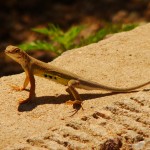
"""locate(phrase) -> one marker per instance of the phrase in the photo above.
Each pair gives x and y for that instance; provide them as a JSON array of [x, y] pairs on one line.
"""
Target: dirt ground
[[109, 120]]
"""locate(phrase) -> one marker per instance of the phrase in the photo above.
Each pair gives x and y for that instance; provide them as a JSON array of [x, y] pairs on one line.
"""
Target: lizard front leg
[[29, 78], [73, 92], [26, 82]]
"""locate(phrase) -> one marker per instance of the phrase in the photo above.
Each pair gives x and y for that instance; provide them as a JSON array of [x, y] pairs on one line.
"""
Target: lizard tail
[[96, 86]]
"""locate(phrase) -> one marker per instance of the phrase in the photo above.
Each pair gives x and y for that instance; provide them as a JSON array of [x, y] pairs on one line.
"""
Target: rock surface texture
[[109, 121]]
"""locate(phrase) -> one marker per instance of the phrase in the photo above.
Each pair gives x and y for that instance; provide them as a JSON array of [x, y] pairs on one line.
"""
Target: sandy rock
[[109, 120], [142, 145]]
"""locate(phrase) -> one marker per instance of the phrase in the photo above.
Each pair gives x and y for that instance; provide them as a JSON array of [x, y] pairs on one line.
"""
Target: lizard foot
[[17, 88], [75, 102], [22, 101], [77, 105]]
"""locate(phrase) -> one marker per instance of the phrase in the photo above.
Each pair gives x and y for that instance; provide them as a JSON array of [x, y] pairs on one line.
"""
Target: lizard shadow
[[61, 99]]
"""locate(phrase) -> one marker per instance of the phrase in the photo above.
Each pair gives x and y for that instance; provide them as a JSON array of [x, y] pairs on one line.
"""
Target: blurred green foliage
[[59, 41]]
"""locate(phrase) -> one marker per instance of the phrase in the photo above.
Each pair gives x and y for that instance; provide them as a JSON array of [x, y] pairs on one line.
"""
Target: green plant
[[59, 41], [109, 29]]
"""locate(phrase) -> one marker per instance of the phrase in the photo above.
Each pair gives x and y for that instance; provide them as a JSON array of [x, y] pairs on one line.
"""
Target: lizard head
[[16, 54]]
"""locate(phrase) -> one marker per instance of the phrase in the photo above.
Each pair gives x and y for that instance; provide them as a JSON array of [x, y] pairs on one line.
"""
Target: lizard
[[36, 67]]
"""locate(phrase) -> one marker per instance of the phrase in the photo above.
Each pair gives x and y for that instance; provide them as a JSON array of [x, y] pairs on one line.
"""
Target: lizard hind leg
[[73, 93]]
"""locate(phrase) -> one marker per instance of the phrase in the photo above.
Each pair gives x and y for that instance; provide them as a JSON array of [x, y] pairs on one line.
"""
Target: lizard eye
[[16, 50]]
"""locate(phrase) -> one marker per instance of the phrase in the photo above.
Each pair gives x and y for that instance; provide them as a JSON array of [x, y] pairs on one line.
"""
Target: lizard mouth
[[7, 52]]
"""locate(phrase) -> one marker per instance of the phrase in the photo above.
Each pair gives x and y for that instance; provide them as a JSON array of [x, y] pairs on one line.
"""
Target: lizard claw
[[77, 105], [17, 88], [75, 102], [22, 101]]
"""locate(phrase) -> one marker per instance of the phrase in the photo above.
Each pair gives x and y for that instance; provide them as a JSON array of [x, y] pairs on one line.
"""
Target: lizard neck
[[25, 60]]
